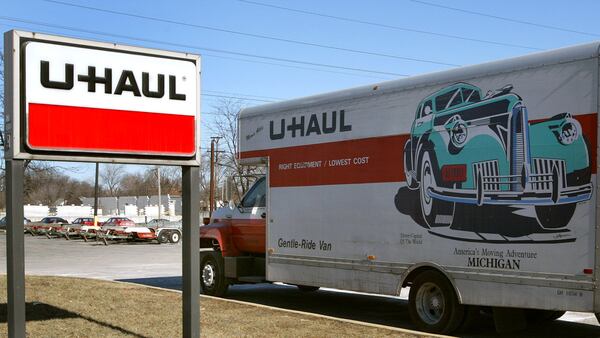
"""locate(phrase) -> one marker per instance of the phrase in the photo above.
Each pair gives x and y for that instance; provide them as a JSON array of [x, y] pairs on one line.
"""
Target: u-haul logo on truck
[[317, 124]]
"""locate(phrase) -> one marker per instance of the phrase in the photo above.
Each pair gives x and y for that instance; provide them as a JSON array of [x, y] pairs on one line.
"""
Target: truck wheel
[[174, 237], [163, 237], [433, 305], [435, 212], [307, 288], [554, 216], [212, 275]]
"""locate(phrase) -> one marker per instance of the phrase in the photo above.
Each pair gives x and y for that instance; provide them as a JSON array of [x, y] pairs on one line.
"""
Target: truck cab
[[233, 243]]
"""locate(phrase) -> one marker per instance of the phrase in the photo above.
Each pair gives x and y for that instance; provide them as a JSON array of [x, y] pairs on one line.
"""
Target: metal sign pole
[[15, 248], [190, 223]]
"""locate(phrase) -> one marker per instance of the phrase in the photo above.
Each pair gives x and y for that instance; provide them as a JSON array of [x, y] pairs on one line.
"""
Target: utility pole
[[96, 195], [223, 191], [159, 197], [211, 193], [214, 143]]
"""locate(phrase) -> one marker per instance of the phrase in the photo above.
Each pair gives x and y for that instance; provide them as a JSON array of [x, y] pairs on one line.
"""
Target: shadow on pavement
[[174, 282]]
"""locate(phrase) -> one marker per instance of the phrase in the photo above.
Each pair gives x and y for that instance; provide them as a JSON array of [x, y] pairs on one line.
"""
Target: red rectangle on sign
[[55, 127]]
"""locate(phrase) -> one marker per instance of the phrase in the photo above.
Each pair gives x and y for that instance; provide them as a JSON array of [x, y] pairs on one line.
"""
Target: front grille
[[541, 178], [519, 144], [490, 175]]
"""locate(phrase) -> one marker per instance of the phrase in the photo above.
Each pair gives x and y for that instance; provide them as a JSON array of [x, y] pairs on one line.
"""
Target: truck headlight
[[568, 132], [458, 134]]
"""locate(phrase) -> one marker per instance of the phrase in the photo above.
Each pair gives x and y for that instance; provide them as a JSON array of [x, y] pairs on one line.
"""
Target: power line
[[299, 67], [258, 36], [247, 60], [382, 25], [87, 31], [236, 97], [504, 18], [240, 94]]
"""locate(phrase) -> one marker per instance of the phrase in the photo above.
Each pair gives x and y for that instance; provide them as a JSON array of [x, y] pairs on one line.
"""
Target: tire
[[433, 305], [163, 237], [212, 275], [174, 236], [435, 212], [307, 288], [554, 216]]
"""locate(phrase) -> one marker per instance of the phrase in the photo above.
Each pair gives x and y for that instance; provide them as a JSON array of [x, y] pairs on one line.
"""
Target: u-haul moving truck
[[474, 186]]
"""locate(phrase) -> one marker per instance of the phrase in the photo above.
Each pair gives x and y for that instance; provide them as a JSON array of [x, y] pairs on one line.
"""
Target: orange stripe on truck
[[368, 160]]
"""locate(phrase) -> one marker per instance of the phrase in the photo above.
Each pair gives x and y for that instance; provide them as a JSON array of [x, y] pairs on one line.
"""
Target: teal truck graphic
[[467, 148]]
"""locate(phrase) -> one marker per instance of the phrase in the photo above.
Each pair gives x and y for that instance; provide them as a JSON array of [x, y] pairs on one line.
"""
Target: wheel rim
[[427, 181], [208, 275], [430, 303], [175, 237]]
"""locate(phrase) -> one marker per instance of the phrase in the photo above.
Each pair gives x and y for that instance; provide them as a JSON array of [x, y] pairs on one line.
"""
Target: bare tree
[[111, 178], [170, 180], [225, 127], [133, 184]]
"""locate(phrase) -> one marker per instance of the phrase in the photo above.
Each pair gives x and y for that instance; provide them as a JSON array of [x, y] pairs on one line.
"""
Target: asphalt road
[[160, 265]]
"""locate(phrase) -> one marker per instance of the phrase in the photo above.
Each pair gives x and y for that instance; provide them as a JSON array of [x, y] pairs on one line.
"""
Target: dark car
[[3, 222], [54, 220], [158, 222]]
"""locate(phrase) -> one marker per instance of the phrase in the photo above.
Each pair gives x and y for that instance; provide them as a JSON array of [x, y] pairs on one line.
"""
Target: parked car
[[3, 222], [82, 226], [544, 163], [158, 222], [116, 222], [54, 220], [84, 221], [46, 225]]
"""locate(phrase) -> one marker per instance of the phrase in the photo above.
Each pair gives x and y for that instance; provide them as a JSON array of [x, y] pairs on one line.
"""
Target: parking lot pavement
[[160, 265], [59, 257]]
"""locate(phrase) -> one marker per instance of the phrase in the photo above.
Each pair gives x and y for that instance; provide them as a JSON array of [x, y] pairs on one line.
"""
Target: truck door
[[248, 219]]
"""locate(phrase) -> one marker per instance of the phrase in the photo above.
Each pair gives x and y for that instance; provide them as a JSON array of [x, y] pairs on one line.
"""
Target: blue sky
[[229, 70]]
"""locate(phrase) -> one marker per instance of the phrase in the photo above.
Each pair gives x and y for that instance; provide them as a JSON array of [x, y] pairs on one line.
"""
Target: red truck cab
[[237, 239]]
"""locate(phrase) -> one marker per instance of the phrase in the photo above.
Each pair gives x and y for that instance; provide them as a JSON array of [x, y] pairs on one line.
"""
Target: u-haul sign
[[87, 99]]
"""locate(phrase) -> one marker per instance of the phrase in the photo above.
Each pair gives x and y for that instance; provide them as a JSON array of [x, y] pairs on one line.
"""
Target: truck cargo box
[[485, 174]]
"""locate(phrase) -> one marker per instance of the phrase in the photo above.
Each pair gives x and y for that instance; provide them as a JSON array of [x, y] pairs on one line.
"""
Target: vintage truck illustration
[[482, 150]]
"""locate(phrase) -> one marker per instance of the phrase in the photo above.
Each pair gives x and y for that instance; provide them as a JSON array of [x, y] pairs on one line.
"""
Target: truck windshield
[[257, 196]]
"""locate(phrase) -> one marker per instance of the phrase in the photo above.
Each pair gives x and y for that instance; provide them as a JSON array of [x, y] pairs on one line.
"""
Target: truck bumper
[[566, 195]]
